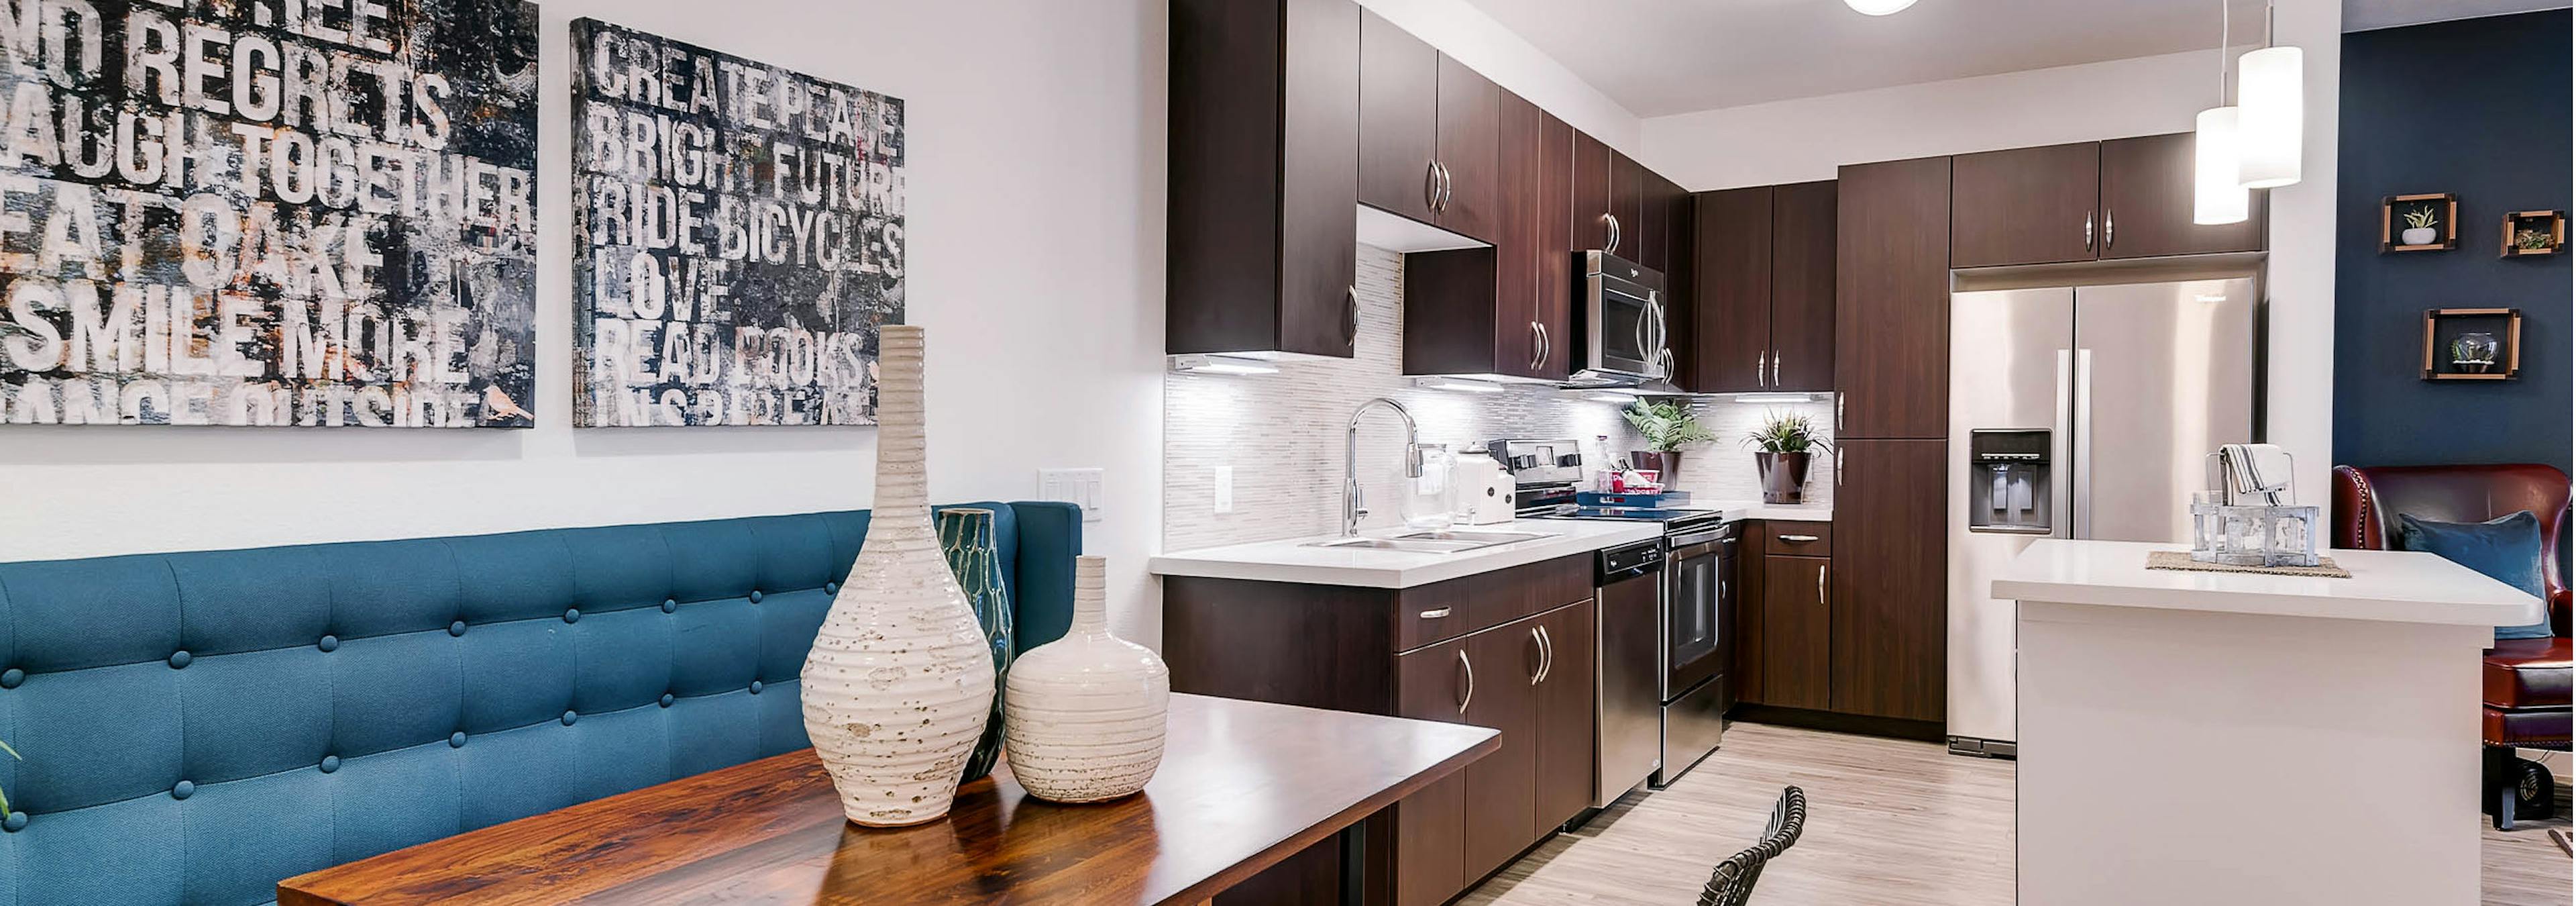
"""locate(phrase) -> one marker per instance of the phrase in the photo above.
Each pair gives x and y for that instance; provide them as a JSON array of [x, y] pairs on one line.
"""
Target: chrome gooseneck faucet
[[1351, 509]]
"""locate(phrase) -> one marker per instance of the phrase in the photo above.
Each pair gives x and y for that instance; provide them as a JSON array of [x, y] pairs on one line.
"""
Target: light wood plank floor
[[1889, 823]]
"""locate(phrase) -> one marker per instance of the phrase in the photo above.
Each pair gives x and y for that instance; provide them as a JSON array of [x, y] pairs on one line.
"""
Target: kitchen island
[[2202, 737]]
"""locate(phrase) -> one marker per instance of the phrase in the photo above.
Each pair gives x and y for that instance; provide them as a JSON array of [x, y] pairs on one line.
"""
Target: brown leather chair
[[2526, 680]]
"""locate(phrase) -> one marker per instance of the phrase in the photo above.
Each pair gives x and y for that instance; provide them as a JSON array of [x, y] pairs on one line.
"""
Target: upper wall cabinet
[[1428, 133], [1892, 300], [1763, 297], [1594, 223], [2126, 198], [1264, 128], [2146, 203]]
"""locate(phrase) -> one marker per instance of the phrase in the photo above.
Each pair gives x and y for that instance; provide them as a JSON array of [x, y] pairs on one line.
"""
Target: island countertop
[[1296, 560], [2393, 586]]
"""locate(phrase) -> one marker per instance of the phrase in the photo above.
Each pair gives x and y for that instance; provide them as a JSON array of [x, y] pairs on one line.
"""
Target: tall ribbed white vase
[[1082, 716], [898, 685]]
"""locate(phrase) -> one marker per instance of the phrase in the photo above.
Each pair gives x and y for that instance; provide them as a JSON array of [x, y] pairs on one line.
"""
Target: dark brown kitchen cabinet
[[1484, 303], [2147, 201], [1762, 294], [1627, 209], [1592, 194], [2025, 206], [1399, 113], [1797, 632], [1892, 300], [1510, 649], [2123, 198], [1565, 703], [1554, 302], [1431, 825], [1427, 133], [1471, 200], [1264, 126], [1502, 807], [1890, 612]]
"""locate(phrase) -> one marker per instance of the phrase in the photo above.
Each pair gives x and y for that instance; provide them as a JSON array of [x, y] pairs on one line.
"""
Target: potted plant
[[1667, 427], [1781, 449], [2473, 353], [2419, 227]]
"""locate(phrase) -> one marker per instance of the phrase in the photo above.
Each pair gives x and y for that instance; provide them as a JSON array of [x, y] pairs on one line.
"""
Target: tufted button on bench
[[287, 665]]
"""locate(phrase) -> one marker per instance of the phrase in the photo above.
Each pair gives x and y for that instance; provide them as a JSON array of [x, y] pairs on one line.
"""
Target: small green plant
[[2468, 350], [2531, 240], [1667, 426], [1783, 432], [2421, 218]]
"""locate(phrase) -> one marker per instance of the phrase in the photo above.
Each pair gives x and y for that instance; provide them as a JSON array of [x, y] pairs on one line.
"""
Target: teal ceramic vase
[[966, 537]]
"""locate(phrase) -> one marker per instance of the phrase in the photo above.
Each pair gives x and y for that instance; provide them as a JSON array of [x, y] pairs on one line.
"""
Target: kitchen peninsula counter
[[1299, 561]]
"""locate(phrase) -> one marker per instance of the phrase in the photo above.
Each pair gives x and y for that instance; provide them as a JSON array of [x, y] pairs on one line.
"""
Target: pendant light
[[2272, 115], [2217, 195], [1878, 7]]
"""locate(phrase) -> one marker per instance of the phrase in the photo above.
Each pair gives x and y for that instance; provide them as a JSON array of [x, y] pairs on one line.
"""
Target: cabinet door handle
[[1350, 314], [1613, 221], [1800, 539], [1776, 356], [1548, 668], [1431, 186], [1470, 667], [1761, 361], [1838, 467], [2107, 235], [1538, 345], [1821, 570], [1546, 346], [1435, 613], [1838, 429], [1448, 188], [2088, 231]]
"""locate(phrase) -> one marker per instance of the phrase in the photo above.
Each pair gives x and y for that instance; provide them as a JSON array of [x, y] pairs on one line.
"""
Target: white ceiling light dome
[[1878, 7]]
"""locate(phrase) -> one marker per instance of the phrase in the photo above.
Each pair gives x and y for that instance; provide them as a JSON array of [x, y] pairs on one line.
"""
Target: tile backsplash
[[1282, 433]]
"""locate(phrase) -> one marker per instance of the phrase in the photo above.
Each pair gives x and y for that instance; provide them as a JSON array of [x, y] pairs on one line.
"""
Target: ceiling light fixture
[[2271, 113], [2217, 196], [1878, 7]]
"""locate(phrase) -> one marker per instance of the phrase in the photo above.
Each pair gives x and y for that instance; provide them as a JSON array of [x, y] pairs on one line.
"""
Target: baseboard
[[1835, 722]]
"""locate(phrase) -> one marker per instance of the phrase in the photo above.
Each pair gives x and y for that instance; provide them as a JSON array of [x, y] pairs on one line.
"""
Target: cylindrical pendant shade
[[2216, 197], [2271, 118]]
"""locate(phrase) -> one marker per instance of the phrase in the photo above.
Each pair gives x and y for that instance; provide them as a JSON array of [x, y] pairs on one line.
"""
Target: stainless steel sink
[[1440, 542]]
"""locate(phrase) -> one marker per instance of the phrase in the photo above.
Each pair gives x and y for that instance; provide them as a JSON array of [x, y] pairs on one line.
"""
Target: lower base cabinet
[[1518, 656]]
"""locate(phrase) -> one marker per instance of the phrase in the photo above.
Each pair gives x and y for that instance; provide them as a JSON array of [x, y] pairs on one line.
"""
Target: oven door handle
[[1694, 551]]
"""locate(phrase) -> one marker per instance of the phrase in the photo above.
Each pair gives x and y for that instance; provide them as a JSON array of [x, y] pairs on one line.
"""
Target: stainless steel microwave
[[1621, 316]]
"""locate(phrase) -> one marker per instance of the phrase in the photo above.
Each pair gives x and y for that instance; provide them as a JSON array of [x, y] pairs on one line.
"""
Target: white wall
[[1035, 209], [1465, 33], [1807, 138]]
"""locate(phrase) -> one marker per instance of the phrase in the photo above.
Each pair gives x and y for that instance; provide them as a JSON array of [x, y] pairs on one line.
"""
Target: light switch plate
[[1224, 489], [1075, 486]]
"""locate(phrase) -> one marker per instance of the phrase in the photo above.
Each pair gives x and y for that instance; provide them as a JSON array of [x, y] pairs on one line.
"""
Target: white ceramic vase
[[2418, 236], [1082, 716], [898, 685]]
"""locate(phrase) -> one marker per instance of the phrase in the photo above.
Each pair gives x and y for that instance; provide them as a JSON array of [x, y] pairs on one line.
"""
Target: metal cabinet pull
[[1838, 467], [1431, 186], [1538, 638], [1760, 362], [1351, 314], [1538, 345], [1838, 429], [1447, 188], [1775, 367], [2106, 230], [2088, 231], [1470, 667], [1821, 570], [1546, 346], [1547, 668], [1435, 613], [1613, 221], [1800, 539]]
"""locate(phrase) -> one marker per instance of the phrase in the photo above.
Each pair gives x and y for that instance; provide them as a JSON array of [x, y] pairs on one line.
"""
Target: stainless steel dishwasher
[[1628, 736]]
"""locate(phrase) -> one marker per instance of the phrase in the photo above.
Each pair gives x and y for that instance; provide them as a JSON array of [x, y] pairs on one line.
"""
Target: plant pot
[[1664, 465], [1784, 476], [2417, 235]]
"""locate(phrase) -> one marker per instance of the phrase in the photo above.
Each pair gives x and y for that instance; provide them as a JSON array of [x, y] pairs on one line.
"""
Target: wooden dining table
[[1244, 786]]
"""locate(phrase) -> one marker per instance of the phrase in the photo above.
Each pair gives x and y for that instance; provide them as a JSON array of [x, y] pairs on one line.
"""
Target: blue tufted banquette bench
[[199, 726]]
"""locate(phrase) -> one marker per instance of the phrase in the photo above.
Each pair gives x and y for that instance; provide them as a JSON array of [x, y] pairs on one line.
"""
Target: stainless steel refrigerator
[[2076, 412]]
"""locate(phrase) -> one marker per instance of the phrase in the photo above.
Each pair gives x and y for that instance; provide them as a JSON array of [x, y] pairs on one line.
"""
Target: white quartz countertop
[[2392, 586], [1294, 561], [1784, 512]]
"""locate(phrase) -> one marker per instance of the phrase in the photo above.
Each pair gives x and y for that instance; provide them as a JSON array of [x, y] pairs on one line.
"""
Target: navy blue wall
[[2477, 107]]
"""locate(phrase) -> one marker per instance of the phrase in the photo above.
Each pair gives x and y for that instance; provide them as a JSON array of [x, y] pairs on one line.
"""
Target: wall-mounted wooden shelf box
[[2444, 326]]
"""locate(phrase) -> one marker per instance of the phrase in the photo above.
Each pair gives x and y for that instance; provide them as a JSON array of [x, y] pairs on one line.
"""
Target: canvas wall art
[[268, 212], [737, 235]]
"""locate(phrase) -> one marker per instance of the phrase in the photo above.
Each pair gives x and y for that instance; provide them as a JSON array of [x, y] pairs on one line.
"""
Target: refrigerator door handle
[[2060, 509], [2083, 458]]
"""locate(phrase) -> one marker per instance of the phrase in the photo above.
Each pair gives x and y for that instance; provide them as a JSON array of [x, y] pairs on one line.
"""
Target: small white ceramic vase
[[898, 685], [2417, 235], [1082, 716]]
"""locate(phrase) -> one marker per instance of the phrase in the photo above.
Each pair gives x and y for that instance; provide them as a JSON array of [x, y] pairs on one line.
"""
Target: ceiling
[[1661, 57]]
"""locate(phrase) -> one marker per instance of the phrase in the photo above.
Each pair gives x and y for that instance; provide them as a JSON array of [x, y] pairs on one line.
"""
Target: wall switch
[[1075, 486], [1224, 489]]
